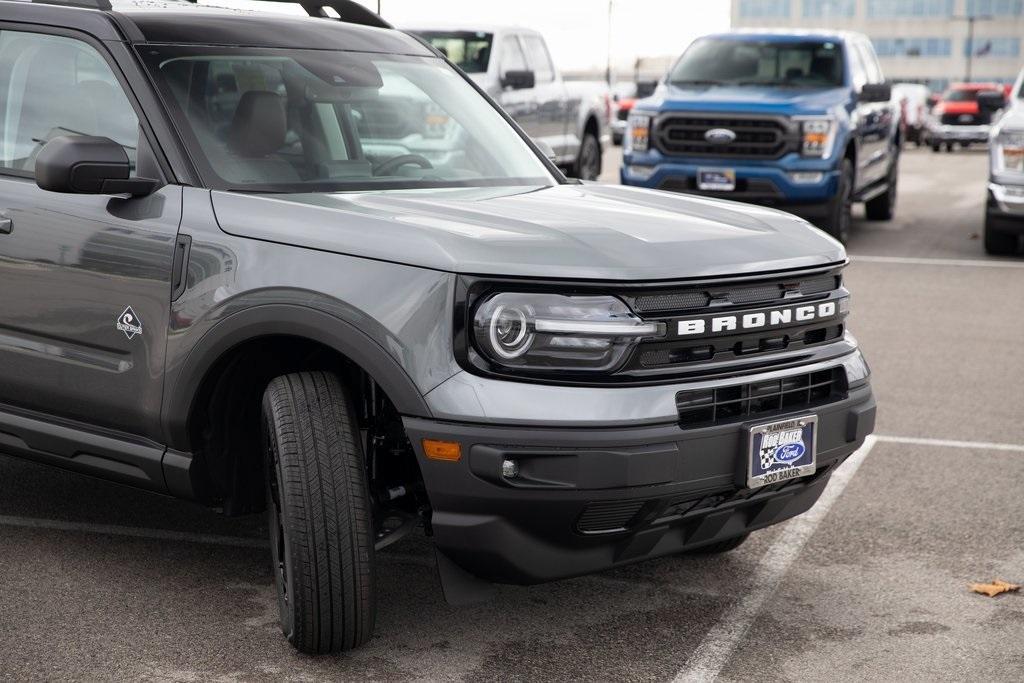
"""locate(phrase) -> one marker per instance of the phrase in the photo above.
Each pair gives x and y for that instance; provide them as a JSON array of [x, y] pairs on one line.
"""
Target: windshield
[[470, 50], [716, 61], [314, 121]]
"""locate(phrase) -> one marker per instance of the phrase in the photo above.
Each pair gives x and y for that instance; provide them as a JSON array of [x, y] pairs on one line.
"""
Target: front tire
[[999, 243], [588, 161], [319, 514], [839, 214]]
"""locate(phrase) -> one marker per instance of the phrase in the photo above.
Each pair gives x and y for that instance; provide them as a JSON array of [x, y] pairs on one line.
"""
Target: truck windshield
[[276, 120], [470, 50], [717, 61]]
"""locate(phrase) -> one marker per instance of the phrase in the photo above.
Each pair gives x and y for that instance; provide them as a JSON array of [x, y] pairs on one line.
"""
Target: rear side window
[[469, 50], [52, 86]]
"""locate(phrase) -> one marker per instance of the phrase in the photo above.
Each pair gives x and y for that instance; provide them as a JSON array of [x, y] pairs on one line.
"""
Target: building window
[[889, 9], [764, 8], [828, 8], [995, 8], [913, 47], [993, 47]]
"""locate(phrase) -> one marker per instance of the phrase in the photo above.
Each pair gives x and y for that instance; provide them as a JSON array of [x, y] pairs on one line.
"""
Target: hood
[[746, 99], [594, 232]]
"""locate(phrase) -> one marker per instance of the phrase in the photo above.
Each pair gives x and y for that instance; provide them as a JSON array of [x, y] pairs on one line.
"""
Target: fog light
[[806, 177], [509, 469]]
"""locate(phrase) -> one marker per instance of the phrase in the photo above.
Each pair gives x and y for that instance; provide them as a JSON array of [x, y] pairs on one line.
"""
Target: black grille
[[747, 189], [980, 119], [755, 137], [608, 516], [671, 301], [742, 401]]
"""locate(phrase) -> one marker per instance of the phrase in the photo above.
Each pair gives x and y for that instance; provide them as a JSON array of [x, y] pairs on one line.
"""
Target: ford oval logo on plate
[[788, 452], [720, 136]]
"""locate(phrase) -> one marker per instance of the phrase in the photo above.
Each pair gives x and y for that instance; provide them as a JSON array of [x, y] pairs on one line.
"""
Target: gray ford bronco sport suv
[[304, 265]]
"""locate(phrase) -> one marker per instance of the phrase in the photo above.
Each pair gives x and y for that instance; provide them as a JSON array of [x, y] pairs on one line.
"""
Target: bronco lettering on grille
[[759, 320]]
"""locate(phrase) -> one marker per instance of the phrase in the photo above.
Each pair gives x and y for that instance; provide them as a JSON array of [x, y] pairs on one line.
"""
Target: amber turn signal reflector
[[442, 450]]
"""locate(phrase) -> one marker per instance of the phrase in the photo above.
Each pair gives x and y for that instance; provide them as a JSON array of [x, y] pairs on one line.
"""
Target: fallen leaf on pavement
[[995, 588]]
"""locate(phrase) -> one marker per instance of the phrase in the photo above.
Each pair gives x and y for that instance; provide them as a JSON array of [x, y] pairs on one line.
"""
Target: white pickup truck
[[514, 67]]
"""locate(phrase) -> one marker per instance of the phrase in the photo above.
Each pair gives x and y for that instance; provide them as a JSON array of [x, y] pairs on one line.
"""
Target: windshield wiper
[[698, 81], [785, 84]]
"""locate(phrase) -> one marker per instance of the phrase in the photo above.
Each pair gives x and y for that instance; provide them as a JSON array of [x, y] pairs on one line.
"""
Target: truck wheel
[[840, 208], [721, 547], [588, 162], [999, 243], [883, 207], [949, 146], [318, 505], [935, 147]]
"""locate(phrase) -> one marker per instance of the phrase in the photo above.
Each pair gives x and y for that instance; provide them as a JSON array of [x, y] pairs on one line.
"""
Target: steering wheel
[[394, 163]]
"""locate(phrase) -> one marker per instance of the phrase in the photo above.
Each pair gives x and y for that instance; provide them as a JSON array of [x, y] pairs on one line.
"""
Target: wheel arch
[[207, 358]]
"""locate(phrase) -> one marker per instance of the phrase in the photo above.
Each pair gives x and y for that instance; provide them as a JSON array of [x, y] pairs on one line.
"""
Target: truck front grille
[[757, 137], [981, 119], [739, 402]]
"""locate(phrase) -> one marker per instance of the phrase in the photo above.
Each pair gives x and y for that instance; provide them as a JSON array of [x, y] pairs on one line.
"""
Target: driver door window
[[52, 86]]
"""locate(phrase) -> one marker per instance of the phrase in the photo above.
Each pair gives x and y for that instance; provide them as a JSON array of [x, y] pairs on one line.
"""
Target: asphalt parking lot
[[100, 582]]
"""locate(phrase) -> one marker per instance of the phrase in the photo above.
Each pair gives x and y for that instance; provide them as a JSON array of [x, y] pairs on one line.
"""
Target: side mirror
[[545, 149], [875, 92], [518, 80], [991, 101], [84, 164]]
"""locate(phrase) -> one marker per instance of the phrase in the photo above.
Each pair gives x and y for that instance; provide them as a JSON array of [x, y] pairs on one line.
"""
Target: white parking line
[[950, 443], [909, 260], [711, 656]]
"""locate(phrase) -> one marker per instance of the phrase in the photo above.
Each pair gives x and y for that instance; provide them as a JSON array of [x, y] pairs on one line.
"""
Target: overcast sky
[[576, 30]]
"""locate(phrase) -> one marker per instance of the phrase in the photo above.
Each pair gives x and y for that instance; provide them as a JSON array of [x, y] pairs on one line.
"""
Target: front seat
[[256, 135]]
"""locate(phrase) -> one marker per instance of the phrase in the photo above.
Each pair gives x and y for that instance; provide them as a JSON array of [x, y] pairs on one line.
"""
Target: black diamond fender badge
[[129, 323]]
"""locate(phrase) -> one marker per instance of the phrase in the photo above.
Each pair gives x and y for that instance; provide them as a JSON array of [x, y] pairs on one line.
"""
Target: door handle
[[6, 224]]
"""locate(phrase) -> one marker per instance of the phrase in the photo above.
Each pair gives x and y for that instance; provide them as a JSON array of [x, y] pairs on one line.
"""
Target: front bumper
[[944, 133], [788, 183], [591, 498]]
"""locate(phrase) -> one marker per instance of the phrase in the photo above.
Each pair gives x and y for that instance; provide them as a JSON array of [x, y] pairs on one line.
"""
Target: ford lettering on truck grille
[[765, 319]]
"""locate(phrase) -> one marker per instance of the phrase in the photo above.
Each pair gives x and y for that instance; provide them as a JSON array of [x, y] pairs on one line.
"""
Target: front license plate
[[716, 179], [782, 450]]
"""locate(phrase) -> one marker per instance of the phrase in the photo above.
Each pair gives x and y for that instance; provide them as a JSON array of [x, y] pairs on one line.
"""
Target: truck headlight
[[818, 135], [638, 133], [552, 332], [1008, 151]]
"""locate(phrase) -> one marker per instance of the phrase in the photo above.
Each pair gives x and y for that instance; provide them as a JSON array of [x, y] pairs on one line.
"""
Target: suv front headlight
[[638, 133], [551, 332], [817, 136], [1008, 152]]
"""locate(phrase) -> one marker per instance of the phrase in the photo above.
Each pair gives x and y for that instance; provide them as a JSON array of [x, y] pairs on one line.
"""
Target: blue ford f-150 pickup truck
[[798, 120]]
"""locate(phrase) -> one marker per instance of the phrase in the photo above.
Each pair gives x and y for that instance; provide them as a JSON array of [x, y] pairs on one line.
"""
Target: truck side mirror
[[518, 79], [85, 164], [875, 92], [991, 101]]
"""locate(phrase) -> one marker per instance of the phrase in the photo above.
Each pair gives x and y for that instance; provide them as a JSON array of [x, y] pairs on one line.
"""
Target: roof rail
[[348, 11], [88, 4]]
